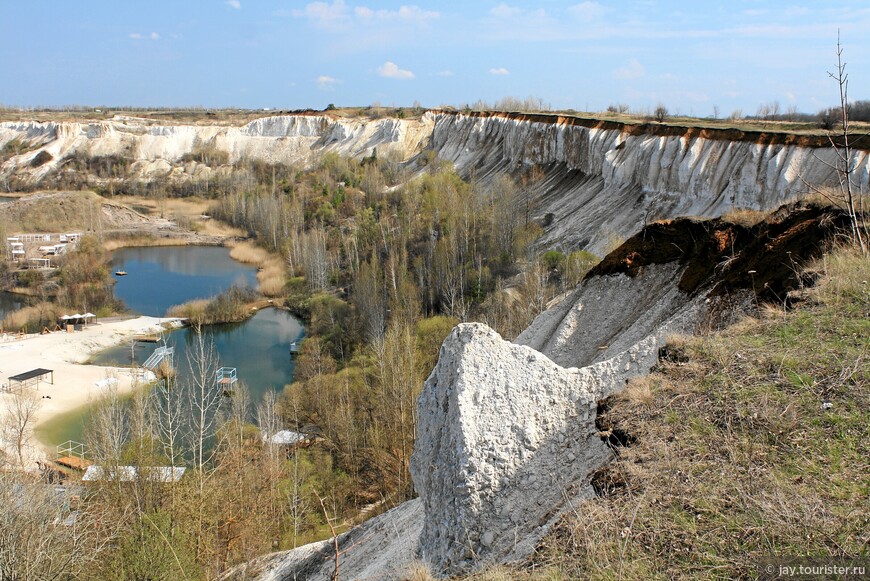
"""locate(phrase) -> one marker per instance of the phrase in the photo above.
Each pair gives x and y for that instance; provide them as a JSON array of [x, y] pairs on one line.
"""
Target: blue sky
[[584, 55]]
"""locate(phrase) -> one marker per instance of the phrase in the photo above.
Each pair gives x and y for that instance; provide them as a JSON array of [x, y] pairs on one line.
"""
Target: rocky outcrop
[[608, 315], [154, 151], [383, 547], [603, 182], [505, 440]]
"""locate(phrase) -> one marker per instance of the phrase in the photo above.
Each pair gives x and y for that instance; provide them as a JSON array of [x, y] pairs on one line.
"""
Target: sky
[[696, 58]]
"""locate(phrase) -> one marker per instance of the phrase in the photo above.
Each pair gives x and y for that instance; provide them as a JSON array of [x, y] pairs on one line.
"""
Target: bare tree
[[166, 417], [844, 163], [18, 422], [269, 421], [269, 424], [203, 396], [108, 429], [41, 539], [369, 298], [315, 258]]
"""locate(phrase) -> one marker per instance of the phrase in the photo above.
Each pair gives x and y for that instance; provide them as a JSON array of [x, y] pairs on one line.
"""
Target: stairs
[[158, 356]]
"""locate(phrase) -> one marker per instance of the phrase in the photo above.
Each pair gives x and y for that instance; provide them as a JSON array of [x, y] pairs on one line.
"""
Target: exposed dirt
[[766, 258]]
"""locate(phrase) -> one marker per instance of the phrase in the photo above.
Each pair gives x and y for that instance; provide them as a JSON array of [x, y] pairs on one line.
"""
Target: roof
[[38, 372], [131, 473]]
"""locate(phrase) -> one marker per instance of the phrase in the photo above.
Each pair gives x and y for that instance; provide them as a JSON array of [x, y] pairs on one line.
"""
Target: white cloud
[[392, 71], [329, 15], [411, 14], [140, 36], [632, 70], [499, 71], [327, 83], [505, 11], [323, 14], [445, 73], [234, 4], [588, 11]]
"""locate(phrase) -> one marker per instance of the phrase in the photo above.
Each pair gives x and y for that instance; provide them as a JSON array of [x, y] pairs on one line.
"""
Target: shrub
[[661, 113], [553, 260]]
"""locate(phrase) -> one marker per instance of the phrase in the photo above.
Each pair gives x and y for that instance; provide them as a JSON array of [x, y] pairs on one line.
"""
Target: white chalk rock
[[504, 437]]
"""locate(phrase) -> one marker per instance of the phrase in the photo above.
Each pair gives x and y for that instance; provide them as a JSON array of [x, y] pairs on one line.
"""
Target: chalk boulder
[[505, 437]]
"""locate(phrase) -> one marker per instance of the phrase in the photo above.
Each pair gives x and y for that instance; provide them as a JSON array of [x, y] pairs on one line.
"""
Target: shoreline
[[75, 382]]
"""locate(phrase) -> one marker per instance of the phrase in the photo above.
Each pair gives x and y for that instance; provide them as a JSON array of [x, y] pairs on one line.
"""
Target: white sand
[[75, 384]]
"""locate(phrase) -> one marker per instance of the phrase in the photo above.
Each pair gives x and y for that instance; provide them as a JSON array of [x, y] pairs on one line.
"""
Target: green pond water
[[9, 302], [259, 348]]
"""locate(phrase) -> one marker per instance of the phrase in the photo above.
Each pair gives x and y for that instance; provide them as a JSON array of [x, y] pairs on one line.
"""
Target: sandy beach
[[75, 384]]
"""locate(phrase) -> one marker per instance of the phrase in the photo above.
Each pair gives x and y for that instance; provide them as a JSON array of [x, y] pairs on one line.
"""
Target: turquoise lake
[[160, 277], [259, 348]]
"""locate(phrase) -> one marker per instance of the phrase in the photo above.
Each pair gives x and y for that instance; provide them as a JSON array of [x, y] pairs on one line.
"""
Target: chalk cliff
[[600, 182]]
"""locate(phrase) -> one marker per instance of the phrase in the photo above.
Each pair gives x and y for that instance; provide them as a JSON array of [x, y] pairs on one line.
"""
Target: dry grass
[[190, 210], [639, 391], [272, 276], [193, 310], [734, 458], [745, 217], [31, 318], [417, 571], [55, 212], [191, 206], [846, 278], [506, 573], [142, 240]]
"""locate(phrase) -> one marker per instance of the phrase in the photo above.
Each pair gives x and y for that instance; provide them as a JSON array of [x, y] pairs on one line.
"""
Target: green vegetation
[[743, 444], [382, 270], [365, 410]]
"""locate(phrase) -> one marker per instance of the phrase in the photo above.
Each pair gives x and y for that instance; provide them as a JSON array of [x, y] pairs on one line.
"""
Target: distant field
[[242, 116]]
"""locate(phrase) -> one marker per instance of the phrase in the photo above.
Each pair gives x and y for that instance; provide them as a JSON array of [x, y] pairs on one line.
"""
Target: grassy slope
[[54, 212], [733, 456]]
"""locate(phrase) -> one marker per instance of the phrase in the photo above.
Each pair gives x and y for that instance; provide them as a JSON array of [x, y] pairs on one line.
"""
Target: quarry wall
[[598, 182]]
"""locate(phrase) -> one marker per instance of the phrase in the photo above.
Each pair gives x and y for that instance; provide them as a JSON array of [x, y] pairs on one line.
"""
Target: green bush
[[553, 260]]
